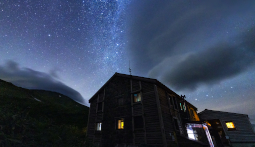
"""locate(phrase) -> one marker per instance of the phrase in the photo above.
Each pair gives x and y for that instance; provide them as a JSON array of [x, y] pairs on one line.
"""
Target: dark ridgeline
[[40, 118], [152, 114]]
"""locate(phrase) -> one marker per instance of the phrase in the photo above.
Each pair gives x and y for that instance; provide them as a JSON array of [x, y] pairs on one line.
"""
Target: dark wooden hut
[[234, 129], [130, 111]]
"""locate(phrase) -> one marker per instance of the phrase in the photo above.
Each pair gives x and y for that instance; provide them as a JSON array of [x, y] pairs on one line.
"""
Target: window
[[138, 122], [192, 134], [184, 107], [98, 126], [175, 103], [99, 106], [121, 124], [199, 132], [230, 125], [193, 129], [176, 124], [171, 100], [137, 97]]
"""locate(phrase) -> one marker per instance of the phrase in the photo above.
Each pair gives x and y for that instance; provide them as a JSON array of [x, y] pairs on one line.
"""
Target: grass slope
[[40, 118]]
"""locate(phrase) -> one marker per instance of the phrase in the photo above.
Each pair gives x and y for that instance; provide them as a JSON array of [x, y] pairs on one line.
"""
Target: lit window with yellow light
[[230, 125], [121, 124]]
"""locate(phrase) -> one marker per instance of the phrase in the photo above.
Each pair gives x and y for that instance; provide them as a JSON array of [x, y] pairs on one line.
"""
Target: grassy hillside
[[40, 118]]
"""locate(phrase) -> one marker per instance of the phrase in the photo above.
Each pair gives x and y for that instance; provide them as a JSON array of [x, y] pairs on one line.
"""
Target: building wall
[[139, 135], [151, 133], [170, 114], [156, 111], [109, 135], [243, 144], [243, 132], [121, 87], [166, 115], [91, 121], [193, 114], [117, 88]]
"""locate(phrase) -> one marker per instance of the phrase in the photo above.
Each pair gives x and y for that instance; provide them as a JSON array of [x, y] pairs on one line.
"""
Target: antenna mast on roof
[[129, 68]]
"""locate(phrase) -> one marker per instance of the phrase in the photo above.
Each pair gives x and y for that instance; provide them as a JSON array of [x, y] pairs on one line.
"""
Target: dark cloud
[[31, 79], [189, 43], [165, 28], [211, 65]]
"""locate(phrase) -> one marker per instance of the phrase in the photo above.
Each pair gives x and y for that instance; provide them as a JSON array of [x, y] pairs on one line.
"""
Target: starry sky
[[202, 49]]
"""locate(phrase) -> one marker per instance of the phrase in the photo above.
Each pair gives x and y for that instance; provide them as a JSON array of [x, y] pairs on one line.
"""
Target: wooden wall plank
[[243, 132]]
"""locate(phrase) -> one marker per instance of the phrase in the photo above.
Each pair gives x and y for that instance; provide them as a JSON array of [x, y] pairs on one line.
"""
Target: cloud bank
[[188, 44], [31, 79], [212, 65]]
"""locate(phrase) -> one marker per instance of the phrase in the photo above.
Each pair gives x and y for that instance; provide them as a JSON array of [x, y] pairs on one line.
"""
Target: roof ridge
[[220, 111]]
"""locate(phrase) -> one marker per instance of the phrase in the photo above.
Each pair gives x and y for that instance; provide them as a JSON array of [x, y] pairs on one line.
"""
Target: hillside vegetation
[[40, 118]]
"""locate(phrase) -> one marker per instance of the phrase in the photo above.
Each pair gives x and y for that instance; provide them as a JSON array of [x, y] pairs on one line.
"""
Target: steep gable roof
[[125, 76], [150, 80]]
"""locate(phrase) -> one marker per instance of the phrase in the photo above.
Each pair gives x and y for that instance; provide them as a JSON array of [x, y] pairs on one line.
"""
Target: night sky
[[202, 49]]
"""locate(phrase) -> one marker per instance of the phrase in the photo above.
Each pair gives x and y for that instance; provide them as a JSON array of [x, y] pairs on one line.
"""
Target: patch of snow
[[37, 99]]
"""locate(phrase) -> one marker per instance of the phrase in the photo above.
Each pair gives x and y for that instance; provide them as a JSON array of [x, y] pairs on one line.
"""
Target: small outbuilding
[[234, 129]]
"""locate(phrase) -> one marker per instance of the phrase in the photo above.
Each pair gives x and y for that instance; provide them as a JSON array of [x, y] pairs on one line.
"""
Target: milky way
[[202, 49], [83, 41]]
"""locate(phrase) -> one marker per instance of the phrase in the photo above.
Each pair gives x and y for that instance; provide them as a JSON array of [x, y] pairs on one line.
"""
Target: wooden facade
[[132, 110], [241, 134]]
